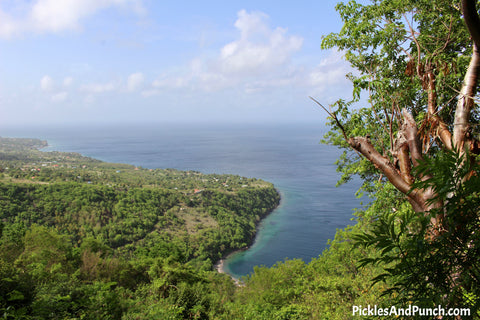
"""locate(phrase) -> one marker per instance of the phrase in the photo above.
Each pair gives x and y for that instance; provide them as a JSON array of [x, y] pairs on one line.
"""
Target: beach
[[220, 268]]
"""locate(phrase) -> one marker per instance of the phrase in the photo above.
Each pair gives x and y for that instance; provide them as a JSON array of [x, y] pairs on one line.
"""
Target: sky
[[150, 61]]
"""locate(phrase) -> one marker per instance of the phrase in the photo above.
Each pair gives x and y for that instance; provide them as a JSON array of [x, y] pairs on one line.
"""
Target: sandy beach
[[220, 267]]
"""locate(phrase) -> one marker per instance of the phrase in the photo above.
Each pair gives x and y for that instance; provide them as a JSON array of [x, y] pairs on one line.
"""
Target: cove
[[310, 212], [298, 229]]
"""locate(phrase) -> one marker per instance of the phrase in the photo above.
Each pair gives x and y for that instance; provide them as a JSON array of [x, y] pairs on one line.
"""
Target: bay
[[290, 156]]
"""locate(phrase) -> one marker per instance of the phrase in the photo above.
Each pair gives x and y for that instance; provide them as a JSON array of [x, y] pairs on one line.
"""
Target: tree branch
[[334, 117], [470, 16], [365, 147], [411, 134], [465, 102], [404, 164], [441, 129]]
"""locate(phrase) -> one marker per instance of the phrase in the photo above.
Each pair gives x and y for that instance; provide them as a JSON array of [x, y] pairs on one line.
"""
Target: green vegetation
[[426, 269], [416, 145], [83, 238], [133, 243]]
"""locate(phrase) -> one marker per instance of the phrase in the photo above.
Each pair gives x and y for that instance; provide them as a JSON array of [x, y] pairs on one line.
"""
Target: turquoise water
[[290, 156]]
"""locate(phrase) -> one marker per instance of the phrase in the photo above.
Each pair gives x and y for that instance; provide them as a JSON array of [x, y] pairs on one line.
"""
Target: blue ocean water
[[290, 156]]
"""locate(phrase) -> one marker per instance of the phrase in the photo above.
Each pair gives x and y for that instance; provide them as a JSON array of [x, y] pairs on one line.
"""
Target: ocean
[[290, 156]]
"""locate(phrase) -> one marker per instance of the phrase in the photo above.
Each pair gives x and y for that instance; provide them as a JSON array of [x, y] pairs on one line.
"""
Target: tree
[[431, 271], [410, 56], [419, 63]]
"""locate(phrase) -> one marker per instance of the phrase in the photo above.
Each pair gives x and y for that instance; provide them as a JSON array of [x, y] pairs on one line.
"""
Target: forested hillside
[[74, 228], [84, 239]]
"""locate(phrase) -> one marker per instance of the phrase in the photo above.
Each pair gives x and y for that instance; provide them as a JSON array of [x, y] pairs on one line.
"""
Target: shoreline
[[219, 266]]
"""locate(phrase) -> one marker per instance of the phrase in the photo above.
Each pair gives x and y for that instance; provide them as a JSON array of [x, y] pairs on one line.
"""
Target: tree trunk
[[461, 135], [462, 139]]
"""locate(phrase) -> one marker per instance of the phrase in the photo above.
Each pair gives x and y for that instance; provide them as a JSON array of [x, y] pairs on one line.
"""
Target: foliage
[[325, 288], [396, 48], [142, 246], [416, 136], [80, 238], [432, 270]]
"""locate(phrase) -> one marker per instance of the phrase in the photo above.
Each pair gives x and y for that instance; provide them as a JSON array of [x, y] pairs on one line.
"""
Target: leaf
[[15, 295]]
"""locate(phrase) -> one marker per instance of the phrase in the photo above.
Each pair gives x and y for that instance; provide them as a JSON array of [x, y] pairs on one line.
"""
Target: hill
[[70, 220], [85, 239]]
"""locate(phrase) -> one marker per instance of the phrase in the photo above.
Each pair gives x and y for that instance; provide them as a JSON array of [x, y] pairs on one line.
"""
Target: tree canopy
[[418, 65], [414, 138]]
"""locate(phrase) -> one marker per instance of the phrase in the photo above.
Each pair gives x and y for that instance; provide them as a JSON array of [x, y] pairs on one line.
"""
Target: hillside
[[69, 216], [85, 239]]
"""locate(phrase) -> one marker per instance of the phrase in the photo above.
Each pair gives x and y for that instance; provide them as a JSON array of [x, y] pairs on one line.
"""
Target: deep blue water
[[290, 156]]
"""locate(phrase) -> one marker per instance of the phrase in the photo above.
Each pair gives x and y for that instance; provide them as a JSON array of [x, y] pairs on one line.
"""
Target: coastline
[[219, 266]]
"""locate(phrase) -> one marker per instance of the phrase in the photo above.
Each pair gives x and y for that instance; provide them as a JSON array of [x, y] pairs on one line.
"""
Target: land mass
[[205, 215], [89, 221], [85, 239]]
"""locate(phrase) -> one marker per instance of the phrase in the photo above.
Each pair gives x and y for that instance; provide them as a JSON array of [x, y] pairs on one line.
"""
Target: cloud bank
[[259, 52], [259, 49], [260, 70], [53, 16], [259, 60]]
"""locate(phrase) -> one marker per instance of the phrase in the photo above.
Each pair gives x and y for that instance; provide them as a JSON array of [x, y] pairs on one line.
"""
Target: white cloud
[[46, 83], [259, 60], [135, 81], [330, 72], [67, 82], [259, 54], [8, 25], [59, 97], [171, 82], [93, 88], [55, 16], [252, 24], [259, 48], [44, 16]]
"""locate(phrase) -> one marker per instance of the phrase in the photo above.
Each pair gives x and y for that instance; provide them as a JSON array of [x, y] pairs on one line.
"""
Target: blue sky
[[117, 61]]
